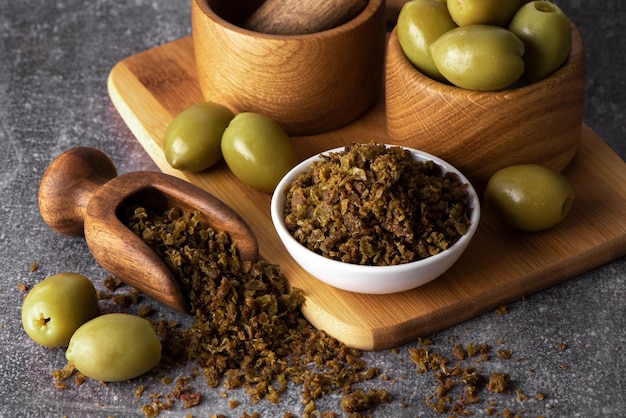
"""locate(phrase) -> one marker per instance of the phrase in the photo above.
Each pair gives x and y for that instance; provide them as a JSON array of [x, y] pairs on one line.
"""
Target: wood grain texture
[[67, 186], [298, 17], [481, 132], [499, 266], [308, 84]]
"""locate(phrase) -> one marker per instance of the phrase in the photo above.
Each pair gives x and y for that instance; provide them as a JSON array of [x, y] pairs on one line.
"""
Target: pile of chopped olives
[[376, 205], [248, 330]]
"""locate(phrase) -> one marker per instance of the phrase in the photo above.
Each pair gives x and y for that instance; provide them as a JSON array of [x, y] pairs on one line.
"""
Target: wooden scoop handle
[[68, 185]]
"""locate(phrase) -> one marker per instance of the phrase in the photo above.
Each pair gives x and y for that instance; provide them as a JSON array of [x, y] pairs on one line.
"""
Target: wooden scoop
[[80, 193]]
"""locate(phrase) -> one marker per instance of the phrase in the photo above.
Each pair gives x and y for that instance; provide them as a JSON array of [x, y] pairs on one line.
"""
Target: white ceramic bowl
[[372, 279]]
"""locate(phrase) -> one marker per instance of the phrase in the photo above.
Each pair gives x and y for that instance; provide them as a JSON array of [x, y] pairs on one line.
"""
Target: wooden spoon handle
[[68, 185]]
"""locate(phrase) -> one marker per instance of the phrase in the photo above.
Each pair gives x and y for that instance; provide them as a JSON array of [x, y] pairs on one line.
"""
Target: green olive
[[258, 151], [483, 12], [547, 36], [192, 139], [55, 307], [114, 347], [529, 197], [420, 23], [479, 57]]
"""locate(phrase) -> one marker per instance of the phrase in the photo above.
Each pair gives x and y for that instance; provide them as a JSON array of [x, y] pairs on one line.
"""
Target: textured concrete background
[[55, 56]]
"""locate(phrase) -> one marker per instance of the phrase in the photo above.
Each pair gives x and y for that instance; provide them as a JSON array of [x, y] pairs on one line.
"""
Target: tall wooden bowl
[[308, 84], [481, 132]]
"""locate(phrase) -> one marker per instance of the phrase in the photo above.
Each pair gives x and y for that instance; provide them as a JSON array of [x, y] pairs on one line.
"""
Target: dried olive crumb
[[145, 311], [140, 390], [112, 283], [458, 386], [505, 354], [498, 382], [360, 400], [190, 399], [65, 373], [502, 310]]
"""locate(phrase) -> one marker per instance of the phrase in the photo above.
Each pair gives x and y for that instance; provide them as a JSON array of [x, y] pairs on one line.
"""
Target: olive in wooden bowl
[[481, 132], [375, 218], [308, 84]]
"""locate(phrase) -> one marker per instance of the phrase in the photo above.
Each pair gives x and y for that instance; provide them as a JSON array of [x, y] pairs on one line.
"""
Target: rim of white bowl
[[279, 197]]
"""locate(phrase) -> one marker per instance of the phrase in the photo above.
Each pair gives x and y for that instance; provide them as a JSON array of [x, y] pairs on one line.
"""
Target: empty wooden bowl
[[481, 132], [308, 84]]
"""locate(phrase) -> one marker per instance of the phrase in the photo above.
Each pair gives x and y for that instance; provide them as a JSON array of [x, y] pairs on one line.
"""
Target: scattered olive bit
[[55, 307], [529, 197], [498, 382], [114, 347]]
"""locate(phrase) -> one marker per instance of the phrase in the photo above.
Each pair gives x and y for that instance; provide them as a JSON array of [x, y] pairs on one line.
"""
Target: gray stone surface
[[55, 56]]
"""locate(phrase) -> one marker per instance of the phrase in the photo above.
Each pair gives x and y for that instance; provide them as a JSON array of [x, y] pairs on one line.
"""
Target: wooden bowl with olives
[[483, 130], [308, 83]]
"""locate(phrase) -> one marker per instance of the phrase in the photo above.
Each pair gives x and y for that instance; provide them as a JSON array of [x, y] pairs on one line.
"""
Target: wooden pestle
[[299, 17], [80, 193]]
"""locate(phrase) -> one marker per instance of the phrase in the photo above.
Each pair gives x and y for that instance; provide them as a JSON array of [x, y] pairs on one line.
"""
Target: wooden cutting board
[[500, 265]]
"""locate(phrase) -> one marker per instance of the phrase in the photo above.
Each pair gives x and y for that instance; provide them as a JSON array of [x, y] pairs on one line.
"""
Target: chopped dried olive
[[376, 205], [248, 330]]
